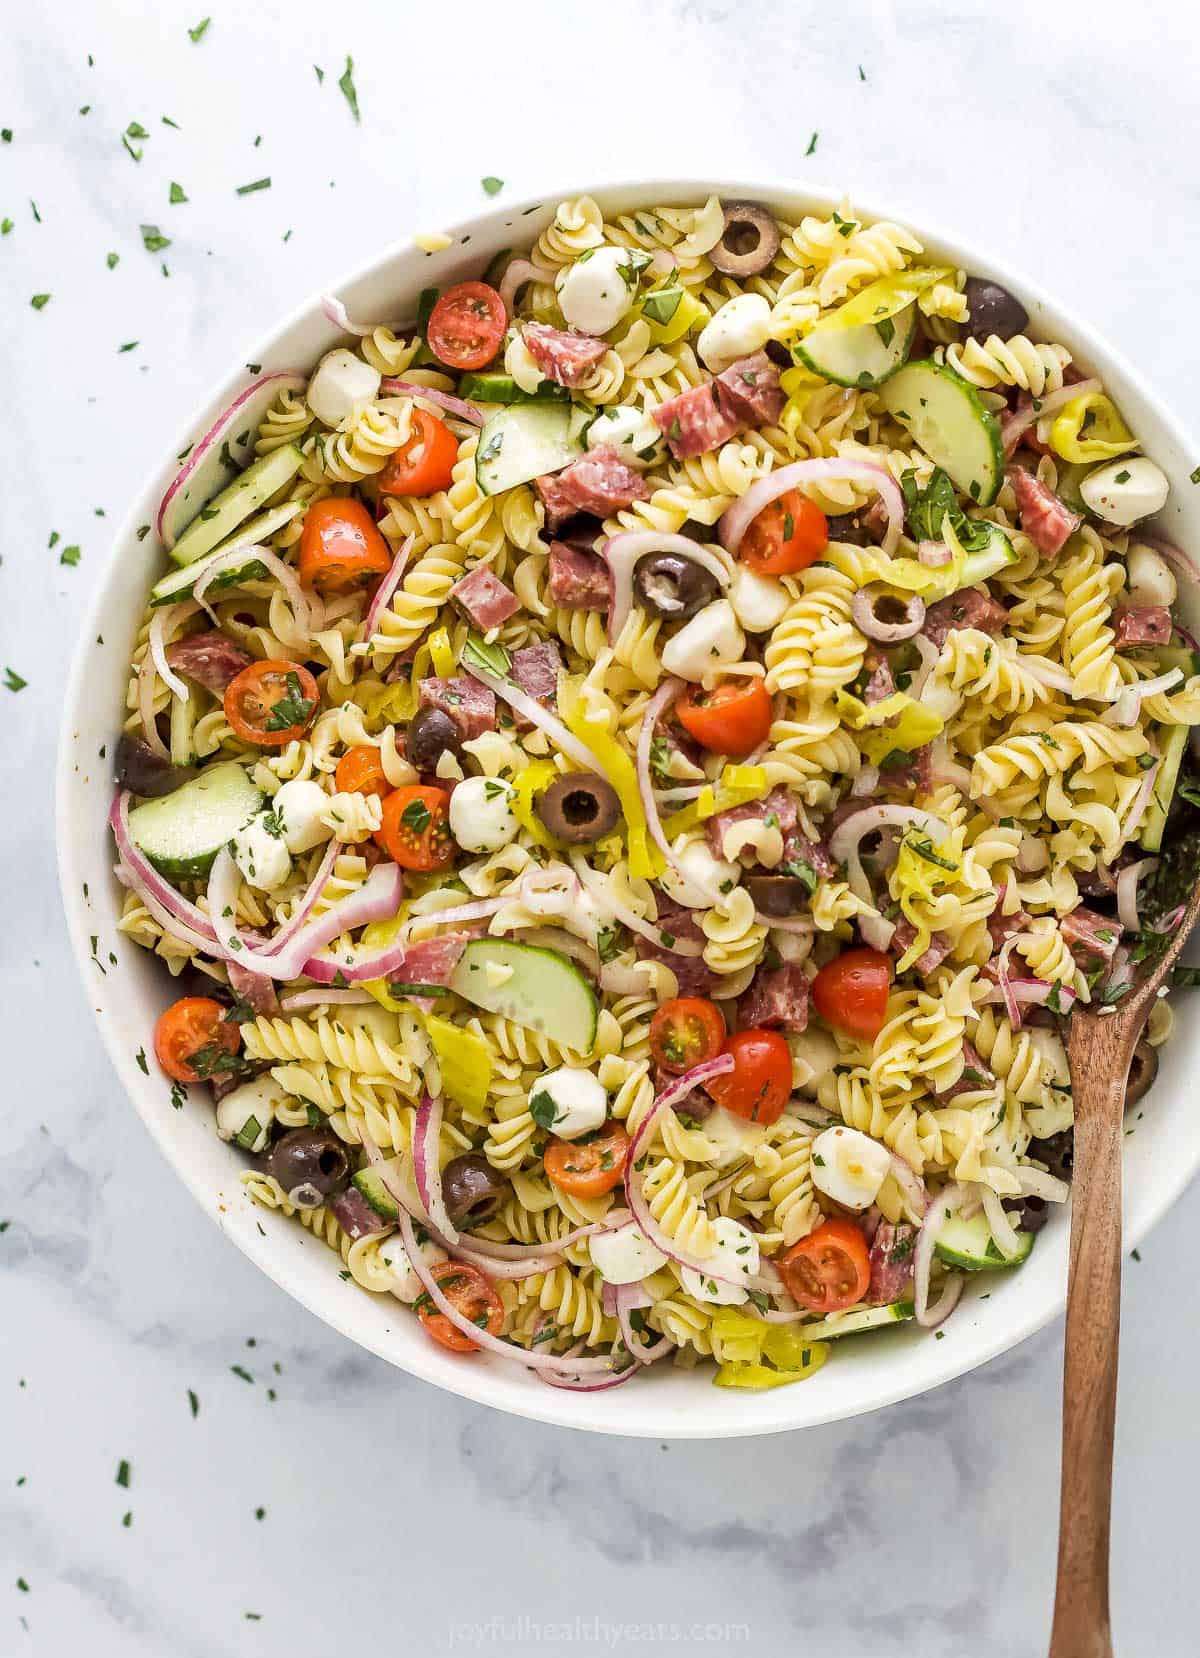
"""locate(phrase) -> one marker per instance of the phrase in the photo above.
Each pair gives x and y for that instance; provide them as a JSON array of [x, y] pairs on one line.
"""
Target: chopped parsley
[[193, 1403], [197, 34], [123, 1472], [416, 816], [812, 146], [543, 1109], [294, 709], [40, 301], [348, 90], [177, 193], [492, 186], [249, 189], [13, 680]]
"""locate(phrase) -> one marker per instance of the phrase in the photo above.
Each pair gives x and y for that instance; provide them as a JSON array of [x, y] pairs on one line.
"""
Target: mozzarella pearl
[[711, 640], [702, 875], [849, 1166], [758, 601], [578, 1098], [633, 434], [340, 385], [405, 1285], [594, 293], [299, 806], [741, 327], [481, 814], [625, 1256], [737, 1254], [261, 856], [1125, 491], [253, 1103], [1151, 579]]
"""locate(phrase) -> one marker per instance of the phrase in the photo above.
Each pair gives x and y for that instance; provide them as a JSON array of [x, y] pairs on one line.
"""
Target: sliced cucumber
[[544, 991], [502, 388], [863, 356], [527, 440], [951, 423], [1166, 657], [989, 560], [858, 1323], [371, 1184], [1070, 475], [1174, 747], [248, 492], [969, 1244], [179, 584], [182, 833]]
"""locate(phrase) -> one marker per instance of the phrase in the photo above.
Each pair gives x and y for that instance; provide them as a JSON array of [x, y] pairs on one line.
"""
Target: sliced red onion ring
[[736, 520], [391, 961], [383, 593], [1002, 1228], [585, 1384], [942, 1205], [910, 1184], [566, 944], [1175, 557], [929, 654], [865, 783], [946, 1302], [862, 609], [1189, 639], [620, 978], [147, 672], [1170, 921], [1128, 704], [1029, 993], [642, 1352], [283, 573], [622, 552], [169, 923], [452, 405], [655, 709], [161, 622], [426, 1169], [934, 555], [1011, 1007], [1014, 426], [517, 273], [1040, 1183], [338, 316], [633, 1296], [149, 885], [844, 844], [522, 703], [300, 999], [1143, 797], [598, 887], [1127, 885], [1048, 674]]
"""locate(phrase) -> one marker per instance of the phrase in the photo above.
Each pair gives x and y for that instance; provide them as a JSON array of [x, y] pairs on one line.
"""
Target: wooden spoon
[[1100, 1047]]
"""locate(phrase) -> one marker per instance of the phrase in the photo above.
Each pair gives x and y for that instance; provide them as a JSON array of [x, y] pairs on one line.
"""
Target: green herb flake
[[40, 301], [348, 90], [492, 186], [812, 145], [6, 134], [112, 260], [70, 555], [319, 73], [130, 345], [238, 1370], [197, 34], [249, 189], [543, 1109], [13, 680], [167, 122], [5, 226], [1194, 475], [127, 1518], [193, 1403], [123, 1473], [153, 239], [177, 193]]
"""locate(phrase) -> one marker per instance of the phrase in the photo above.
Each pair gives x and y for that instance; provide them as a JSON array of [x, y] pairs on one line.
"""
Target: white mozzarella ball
[[405, 1285], [597, 290], [737, 1255], [340, 385], [1125, 491], [481, 814], [1151, 579], [849, 1166], [711, 640], [740, 328], [758, 601], [702, 876], [625, 1256], [299, 807], [632, 433], [261, 856], [569, 1102], [246, 1113]]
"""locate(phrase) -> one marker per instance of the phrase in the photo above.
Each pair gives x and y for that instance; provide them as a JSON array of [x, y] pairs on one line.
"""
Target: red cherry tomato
[[270, 703], [470, 1293], [851, 991], [685, 1032], [591, 1166], [414, 832], [732, 719], [467, 325], [830, 1269], [786, 536], [340, 547], [360, 771], [425, 463], [760, 1084], [192, 1037]]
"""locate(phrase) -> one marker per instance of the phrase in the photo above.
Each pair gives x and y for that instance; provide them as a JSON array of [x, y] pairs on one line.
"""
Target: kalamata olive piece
[[471, 1187], [1057, 1153], [579, 807], [147, 773], [849, 527], [777, 895], [672, 586], [1141, 1073], [749, 241], [992, 310], [310, 1164], [1029, 1214], [431, 733]]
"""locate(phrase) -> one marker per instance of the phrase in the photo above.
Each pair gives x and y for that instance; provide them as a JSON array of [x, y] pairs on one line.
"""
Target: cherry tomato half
[[340, 547], [467, 325], [414, 831], [425, 463], [360, 771], [470, 1293], [760, 1084], [590, 1166], [732, 719], [270, 703], [685, 1032], [830, 1269], [193, 1036], [786, 536], [851, 991]]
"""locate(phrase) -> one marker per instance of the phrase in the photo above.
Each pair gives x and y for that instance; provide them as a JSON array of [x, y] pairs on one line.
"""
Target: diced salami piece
[[779, 806], [968, 608], [536, 670], [913, 772], [469, 704], [257, 991], [1002, 927], [483, 598], [210, 658], [433, 960], [598, 483], [798, 849], [1091, 937], [881, 684], [578, 580], [556, 499], [677, 923], [562, 357], [892, 1250], [1147, 624], [932, 957], [776, 997], [696, 421], [1044, 518], [975, 1075], [750, 389], [355, 1215]]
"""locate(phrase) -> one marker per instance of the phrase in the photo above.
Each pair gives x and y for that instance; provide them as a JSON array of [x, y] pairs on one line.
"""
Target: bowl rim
[[555, 1406]]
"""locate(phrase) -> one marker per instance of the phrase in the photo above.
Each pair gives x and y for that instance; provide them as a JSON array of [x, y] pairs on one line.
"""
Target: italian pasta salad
[[633, 761]]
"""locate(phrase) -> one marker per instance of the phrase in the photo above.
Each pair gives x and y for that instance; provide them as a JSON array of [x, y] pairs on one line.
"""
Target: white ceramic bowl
[[1160, 1158]]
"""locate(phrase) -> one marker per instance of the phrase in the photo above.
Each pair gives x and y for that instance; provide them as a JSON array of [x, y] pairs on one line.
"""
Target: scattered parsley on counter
[[153, 239], [239, 1370], [130, 345], [6, 134], [1195, 475], [40, 301], [22, 1586], [346, 82], [112, 260], [249, 189], [5, 226], [136, 154], [177, 194], [193, 1404], [167, 122], [862, 74], [812, 144], [123, 1473], [140, 1056], [492, 186], [196, 35], [13, 680], [127, 1518], [70, 555], [260, 1513], [319, 73]]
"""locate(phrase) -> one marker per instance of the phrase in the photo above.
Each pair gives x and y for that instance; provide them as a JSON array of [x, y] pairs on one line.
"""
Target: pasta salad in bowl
[[632, 734]]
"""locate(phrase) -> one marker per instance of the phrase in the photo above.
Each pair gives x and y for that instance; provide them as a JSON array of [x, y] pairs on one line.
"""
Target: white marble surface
[[1061, 134]]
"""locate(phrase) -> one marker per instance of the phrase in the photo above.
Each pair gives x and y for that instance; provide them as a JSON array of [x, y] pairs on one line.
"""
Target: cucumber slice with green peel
[[181, 833], [246, 495], [858, 1323], [527, 440], [969, 1244], [502, 388], [540, 990], [1070, 475], [179, 584], [863, 356], [371, 1184], [1174, 747], [987, 561], [952, 424]]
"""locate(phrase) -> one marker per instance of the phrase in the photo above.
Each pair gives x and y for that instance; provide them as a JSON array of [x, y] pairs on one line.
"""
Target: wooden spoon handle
[[1081, 1616]]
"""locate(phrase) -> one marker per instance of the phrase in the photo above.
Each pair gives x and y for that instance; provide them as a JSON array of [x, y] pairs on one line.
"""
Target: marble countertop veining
[[310, 1485]]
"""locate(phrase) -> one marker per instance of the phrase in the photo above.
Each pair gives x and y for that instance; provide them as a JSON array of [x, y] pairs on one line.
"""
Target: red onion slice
[[1144, 795], [662, 699], [517, 273], [844, 844], [1029, 993], [598, 887], [426, 1169], [1011, 1007], [387, 587], [452, 405], [865, 783], [149, 884], [736, 520], [1127, 885], [533, 711], [1003, 1231], [886, 633], [622, 552], [934, 555], [1040, 1183], [1127, 707], [160, 623], [339, 317], [910, 1184], [942, 1205], [1013, 427], [283, 573], [300, 999]]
